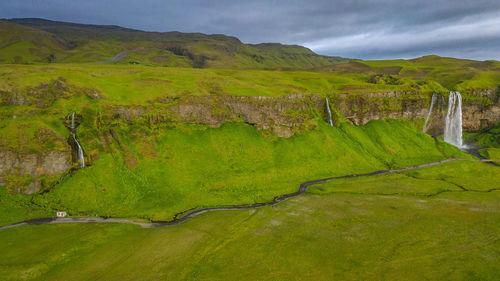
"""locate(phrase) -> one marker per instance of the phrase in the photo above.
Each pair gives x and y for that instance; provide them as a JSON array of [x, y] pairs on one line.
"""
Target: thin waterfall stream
[[329, 111], [433, 101], [76, 144]]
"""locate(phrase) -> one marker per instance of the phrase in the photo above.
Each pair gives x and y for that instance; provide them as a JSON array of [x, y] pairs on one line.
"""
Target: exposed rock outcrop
[[288, 115], [479, 109], [45, 94], [20, 172], [284, 116]]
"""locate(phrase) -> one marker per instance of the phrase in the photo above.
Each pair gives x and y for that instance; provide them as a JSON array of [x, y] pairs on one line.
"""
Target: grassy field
[[54, 49], [458, 176], [170, 170], [195, 167], [346, 230], [136, 84], [139, 84], [450, 73], [438, 223]]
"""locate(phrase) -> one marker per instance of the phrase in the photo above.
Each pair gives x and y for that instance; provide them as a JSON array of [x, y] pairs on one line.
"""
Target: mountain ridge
[[94, 43]]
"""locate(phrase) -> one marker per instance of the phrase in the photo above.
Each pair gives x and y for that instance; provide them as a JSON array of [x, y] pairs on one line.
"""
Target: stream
[[302, 190]]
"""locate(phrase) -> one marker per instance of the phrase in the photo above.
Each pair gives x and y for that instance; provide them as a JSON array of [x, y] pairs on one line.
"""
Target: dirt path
[[122, 55], [189, 215]]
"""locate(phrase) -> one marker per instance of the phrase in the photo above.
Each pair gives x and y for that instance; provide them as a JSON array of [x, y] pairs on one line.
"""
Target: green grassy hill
[[43, 41], [450, 73], [488, 139], [155, 175], [95, 43], [147, 164], [23, 44], [137, 83]]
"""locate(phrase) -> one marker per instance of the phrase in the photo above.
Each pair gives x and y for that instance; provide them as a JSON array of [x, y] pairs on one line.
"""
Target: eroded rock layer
[[28, 171]]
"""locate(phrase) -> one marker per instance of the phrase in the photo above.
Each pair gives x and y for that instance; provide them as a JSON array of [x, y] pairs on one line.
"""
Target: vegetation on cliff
[[157, 175], [124, 104], [188, 121], [488, 140], [487, 137]]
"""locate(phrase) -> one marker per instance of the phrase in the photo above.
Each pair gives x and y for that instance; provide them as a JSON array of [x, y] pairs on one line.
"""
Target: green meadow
[[407, 226], [435, 223], [194, 167], [138, 84]]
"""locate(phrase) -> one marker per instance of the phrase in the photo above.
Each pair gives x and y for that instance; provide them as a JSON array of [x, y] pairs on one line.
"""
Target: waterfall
[[79, 150], [81, 157], [433, 101], [329, 112], [453, 125]]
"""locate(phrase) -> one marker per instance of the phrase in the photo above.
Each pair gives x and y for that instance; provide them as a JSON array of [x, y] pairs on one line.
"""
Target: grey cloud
[[319, 24]]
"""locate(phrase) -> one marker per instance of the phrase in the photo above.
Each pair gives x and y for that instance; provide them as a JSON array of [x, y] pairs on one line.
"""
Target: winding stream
[[302, 189]]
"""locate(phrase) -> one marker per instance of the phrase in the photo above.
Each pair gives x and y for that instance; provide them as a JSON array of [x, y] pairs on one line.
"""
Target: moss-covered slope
[[155, 174], [97, 43]]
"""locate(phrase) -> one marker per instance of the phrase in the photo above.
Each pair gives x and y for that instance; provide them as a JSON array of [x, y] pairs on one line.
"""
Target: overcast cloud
[[348, 28]]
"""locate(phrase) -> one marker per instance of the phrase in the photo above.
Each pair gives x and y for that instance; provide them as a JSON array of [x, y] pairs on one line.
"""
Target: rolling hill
[[38, 40]]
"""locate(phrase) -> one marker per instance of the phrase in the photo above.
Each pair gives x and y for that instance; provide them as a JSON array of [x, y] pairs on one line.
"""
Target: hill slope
[[451, 73], [20, 44], [95, 43]]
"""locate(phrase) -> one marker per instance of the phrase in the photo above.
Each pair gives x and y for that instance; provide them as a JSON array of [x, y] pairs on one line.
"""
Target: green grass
[[398, 184], [487, 137], [78, 43], [450, 177], [192, 167], [341, 236], [17, 53], [470, 176], [490, 153], [433, 73], [33, 41], [436, 223], [17, 207], [138, 84]]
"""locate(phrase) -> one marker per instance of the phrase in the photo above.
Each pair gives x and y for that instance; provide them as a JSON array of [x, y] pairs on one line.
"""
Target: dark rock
[[49, 163], [92, 94]]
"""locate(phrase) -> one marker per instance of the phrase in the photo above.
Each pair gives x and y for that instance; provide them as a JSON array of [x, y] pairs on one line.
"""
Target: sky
[[365, 29]]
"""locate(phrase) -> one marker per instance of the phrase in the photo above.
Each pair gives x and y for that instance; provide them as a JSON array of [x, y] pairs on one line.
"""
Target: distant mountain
[[32, 40]]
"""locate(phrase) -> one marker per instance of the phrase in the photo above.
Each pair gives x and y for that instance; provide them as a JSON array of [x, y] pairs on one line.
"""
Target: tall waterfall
[[79, 150], [453, 125], [330, 121], [433, 101]]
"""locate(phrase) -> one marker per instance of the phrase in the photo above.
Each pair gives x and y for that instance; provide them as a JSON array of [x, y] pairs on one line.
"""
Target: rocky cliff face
[[45, 94], [479, 109], [288, 115], [24, 172], [284, 116]]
